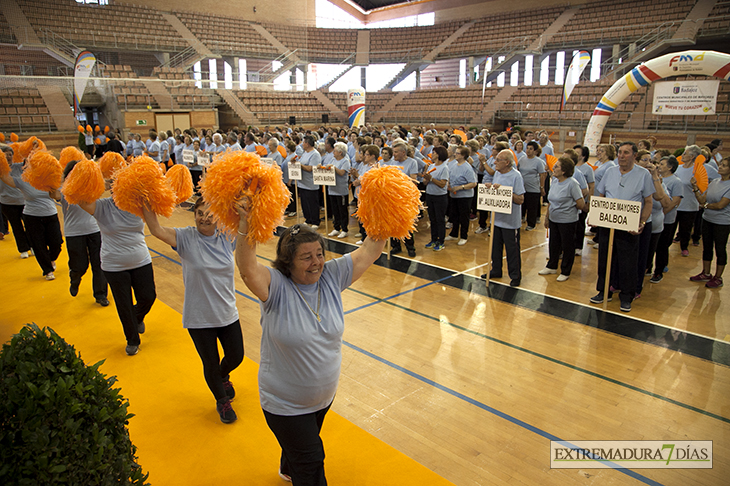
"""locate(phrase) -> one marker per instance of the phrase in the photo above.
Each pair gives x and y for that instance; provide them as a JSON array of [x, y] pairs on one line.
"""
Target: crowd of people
[[301, 306]]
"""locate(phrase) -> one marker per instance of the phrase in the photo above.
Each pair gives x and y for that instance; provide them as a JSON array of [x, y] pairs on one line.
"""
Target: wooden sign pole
[[326, 219], [489, 246], [607, 284], [297, 201]]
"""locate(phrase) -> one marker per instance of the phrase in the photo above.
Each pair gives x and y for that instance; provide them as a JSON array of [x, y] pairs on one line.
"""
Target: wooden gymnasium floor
[[471, 383]]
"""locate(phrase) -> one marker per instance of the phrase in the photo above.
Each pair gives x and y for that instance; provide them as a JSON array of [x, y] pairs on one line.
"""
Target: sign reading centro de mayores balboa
[[356, 107], [615, 213]]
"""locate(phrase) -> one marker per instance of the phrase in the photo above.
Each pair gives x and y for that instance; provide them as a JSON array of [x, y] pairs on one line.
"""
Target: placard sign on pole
[[324, 177], [188, 157], [203, 159], [268, 161], [616, 214], [495, 200], [295, 171]]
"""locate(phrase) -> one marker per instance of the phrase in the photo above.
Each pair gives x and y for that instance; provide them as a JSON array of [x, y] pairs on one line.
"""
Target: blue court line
[[375, 302], [489, 409]]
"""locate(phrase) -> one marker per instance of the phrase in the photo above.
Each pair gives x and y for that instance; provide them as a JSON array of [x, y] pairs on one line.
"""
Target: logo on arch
[[686, 58]]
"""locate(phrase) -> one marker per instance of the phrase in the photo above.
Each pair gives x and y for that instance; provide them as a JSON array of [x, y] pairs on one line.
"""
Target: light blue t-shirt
[[361, 170], [76, 221], [12, 196], [635, 185], [657, 214], [164, 151], [689, 201], [598, 174], [138, 148], [562, 197], [487, 177], [208, 274], [675, 190], [301, 356], [340, 188], [285, 167], [531, 170], [717, 190], [513, 179], [37, 203], [408, 166], [122, 238], [313, 159], [155, 147], [441, 173], [587, 172], [459, 175]]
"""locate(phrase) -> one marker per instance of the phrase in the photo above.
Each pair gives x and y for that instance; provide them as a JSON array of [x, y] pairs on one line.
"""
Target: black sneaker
[[102, 301], [74, 289], [411, 252], [656, 278], [223, 406], [228, 387], [141, 328], [395, 250], [625, 306], [515, 282], [598, 298], [131, 349]]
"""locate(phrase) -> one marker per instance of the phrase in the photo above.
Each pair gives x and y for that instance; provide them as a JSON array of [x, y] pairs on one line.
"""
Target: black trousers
[[196, 175], [697, 226], [14, 216], [580, 230], [338, 206], [3, 222], [44, 234], [509, 240], [644, 249], [142, 281], [531, 207], [623, 264], [653, 244], [83, 250], [461, 207], [292, 208], [310, 205], [437, 214], [562, 239], [662, 247], [715, 235], [302, 450], [685, 220], [215, 369]]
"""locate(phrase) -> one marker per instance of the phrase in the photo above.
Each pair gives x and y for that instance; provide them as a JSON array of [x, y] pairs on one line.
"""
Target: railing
[[632, 51], [114, 39], [27, 123], [131, 102], [606, 35], [180, 58], [284, 59], [61, 44]]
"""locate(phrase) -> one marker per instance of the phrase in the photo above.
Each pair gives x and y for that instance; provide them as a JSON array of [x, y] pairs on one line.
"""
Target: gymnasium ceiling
[[368, 5]]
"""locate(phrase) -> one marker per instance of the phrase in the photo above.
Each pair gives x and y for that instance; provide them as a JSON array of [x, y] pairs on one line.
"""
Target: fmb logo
[[355, 93], [686, 58]]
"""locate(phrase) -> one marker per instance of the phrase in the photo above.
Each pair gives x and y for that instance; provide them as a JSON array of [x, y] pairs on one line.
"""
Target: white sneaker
[[461, 242], [53, 264], [292, 214], [449, 225], [547, 271], [334, 233], [450, 238], [315, 227], [32, 253], [595, 245], [24, 255], [358, 242], [342, 234], [358, 235], [563, 278], [50, 276], [480, 230], [577, 253], [589, 233]]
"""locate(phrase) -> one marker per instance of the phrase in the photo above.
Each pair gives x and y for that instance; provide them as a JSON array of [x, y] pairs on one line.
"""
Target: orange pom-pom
[[23, 150], [89, 129], [181, 182], [389, 203], [142, 182], [97, 129], [97, 141], [68, 154], [4, 166], [84, 184], [80, 128], [106, 129], [238, 174], [2, 137], [43, 171], [111, 162], [13, 137]]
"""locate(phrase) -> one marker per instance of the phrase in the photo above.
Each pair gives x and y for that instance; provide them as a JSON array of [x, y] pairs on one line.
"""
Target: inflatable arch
[[709, 63]]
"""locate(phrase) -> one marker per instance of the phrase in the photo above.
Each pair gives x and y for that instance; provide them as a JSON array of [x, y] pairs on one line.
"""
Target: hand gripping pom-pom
[[23, 150], [84, 184], [43, 171], [181, 182], [142, 182], [4, 166], [111, 162], [389, 203], [68, 154], [241, 174]]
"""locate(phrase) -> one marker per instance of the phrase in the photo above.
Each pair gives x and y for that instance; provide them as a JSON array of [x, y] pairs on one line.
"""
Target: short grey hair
[[341, 148], [692, 151], [511, 156], [217, 138]]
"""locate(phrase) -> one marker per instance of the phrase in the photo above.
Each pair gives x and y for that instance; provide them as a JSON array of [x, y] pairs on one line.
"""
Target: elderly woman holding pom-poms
[[40, 215], [13, 203], [303, 322], [127, 265], [209, 309]]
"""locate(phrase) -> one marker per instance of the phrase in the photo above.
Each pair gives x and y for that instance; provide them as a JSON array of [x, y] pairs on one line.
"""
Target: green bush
[[679, 152], [61, 422]]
